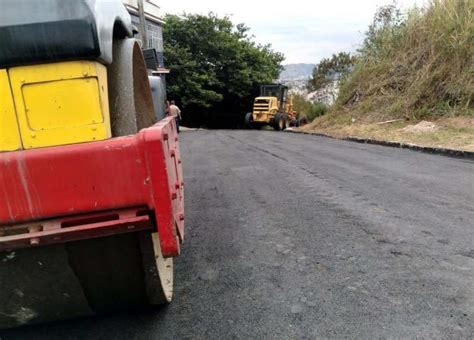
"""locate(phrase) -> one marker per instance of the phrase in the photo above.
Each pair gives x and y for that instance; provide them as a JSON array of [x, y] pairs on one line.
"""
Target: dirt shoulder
[[451, 133]]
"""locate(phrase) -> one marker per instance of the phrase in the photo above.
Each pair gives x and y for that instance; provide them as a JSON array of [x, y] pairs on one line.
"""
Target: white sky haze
[[304, 30]]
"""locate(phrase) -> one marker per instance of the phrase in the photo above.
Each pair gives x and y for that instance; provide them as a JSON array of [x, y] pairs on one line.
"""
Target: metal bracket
[[74, 228]]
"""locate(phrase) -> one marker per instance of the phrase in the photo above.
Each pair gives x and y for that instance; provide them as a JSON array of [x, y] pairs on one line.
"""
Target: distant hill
[[297, 71]]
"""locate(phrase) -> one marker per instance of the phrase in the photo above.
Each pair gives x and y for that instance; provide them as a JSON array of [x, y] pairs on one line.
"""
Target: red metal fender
[[132, 171]]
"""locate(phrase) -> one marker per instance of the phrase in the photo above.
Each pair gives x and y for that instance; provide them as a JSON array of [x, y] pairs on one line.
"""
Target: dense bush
[[415, 64], [307, 108]]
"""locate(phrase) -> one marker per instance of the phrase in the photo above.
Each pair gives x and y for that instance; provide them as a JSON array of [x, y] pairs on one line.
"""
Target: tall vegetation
[[215, 68], [308, 109], [414, 65], [331, 69]]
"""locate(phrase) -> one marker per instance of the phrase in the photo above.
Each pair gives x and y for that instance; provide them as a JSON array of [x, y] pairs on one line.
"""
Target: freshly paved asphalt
[[295, 236]]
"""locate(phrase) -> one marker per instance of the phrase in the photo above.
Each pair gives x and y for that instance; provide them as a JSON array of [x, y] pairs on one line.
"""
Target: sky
[[305, 31]]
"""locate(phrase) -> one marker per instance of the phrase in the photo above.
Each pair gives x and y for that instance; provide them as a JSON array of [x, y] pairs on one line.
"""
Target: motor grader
[[273, 107], [91, 186]]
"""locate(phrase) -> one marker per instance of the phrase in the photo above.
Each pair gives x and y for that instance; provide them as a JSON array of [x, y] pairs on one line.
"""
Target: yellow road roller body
[[54, 104]]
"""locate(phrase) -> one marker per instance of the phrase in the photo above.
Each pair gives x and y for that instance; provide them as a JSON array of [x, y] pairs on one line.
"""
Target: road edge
[[414, 147]]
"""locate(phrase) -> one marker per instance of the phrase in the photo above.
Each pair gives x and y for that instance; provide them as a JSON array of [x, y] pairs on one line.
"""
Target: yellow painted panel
[[61, 103], [53, 105], [9, 134]]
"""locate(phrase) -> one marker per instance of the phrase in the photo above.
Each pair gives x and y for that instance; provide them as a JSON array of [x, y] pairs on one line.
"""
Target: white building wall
[[151, 8]]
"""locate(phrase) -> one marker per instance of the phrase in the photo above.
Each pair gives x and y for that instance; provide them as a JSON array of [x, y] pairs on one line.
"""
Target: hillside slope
[[412, 67]]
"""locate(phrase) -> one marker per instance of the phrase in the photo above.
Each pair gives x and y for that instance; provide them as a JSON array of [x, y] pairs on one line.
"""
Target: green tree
[[215, 67], [387, 25], [330, 69]]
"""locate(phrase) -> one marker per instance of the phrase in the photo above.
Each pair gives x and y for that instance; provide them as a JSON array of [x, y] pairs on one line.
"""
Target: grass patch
[[452, 133], [308, 109]]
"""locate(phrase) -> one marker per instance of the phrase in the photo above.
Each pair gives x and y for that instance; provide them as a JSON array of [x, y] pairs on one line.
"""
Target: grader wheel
[[279, 122], [285, 121], [301, 121], [249, 120]]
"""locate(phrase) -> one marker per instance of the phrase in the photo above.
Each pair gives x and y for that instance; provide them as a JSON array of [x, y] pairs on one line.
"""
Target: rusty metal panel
[[74, 228]]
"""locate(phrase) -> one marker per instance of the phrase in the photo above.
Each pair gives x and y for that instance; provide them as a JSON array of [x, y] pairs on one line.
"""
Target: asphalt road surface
[[295, 236]]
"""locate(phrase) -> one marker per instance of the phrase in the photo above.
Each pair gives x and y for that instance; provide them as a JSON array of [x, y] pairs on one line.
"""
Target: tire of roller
[[121, 271]]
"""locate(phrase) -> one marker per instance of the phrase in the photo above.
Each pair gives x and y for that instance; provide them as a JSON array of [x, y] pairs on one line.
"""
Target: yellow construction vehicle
[[91, 186], [273, 107]]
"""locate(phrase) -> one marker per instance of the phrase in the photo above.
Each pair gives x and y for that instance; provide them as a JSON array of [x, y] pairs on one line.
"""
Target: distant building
[[154, 37], [154, 25]]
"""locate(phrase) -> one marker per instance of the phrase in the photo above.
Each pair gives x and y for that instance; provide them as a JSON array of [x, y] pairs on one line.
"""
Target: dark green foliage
[[215, 68], [387, 23], [330, 69]]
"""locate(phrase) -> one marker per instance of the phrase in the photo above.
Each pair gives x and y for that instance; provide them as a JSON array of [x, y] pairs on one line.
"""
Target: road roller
[[91, 183]]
